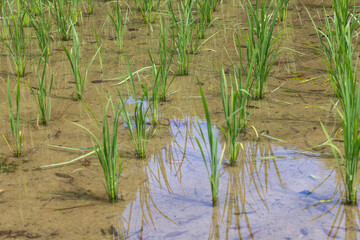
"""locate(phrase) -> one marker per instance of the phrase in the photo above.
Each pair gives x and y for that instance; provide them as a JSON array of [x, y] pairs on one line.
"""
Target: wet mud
[[286, 184]]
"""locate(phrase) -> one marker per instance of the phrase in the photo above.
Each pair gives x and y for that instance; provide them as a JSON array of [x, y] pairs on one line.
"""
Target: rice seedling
[[106, 150], [213, 4], [284, 4], [211, 161], [36, 7], [42, 91], [340, 55], [61, 13], [204, 10], [261, 41], [2, 8], [2, 3], [24, 8], [75, 12], [29, 7], [182, 30], [42, 25], [139, 130], [16, 41], [74, 59], [90, 6], [15, 120], [155, 99], [235, 104], [4, 13], [166, 56], [161, 84], [202, 22], [119, 24], [148, 9], [98, 38], [202, 15]]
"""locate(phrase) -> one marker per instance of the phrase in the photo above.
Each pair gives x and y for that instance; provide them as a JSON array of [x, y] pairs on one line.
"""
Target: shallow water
[[286, 185], [268, 195]]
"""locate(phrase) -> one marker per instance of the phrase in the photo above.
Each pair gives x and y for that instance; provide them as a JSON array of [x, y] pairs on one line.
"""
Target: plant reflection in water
[[174, 182], [346, 218], [251, 173]]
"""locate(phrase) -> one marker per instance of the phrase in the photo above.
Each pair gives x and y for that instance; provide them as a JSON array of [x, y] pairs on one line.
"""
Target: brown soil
[[286, 186]]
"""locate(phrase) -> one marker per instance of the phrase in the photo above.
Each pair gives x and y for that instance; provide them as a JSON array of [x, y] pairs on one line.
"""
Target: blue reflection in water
[[266, 196], [131, 101]]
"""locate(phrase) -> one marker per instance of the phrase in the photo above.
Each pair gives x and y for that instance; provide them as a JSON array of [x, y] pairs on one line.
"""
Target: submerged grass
[[106, 151], [211, 161], [339, 53]]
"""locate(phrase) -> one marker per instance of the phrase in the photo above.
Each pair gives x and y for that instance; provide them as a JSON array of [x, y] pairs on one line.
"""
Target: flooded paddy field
[[285, 185]]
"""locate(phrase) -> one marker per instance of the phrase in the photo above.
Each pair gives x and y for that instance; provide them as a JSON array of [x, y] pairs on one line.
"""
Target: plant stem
[[15, 123]]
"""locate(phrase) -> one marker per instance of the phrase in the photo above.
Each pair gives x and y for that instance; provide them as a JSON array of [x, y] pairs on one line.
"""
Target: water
[[272, 193]]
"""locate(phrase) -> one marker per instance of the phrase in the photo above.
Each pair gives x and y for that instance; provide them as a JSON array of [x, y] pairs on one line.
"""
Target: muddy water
[[284, 187]]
